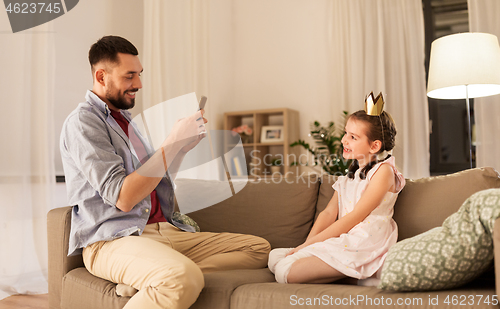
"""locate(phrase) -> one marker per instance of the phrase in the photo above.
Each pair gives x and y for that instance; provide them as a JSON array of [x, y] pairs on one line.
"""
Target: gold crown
[[374, 107]]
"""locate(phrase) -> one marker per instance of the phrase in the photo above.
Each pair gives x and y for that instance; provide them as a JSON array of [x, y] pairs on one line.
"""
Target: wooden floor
[[25, 302]]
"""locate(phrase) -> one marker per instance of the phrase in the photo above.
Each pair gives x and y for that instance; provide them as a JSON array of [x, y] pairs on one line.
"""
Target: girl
[[356, 244]]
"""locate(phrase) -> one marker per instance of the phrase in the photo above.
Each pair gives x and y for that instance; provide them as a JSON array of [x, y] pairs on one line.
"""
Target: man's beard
[[119, 100]]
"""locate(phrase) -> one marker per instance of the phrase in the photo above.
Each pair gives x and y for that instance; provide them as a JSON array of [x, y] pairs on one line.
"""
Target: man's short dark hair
[[107, 49]]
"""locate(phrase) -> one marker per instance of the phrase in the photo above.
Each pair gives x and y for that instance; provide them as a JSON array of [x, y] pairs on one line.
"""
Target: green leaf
[[327, 153]]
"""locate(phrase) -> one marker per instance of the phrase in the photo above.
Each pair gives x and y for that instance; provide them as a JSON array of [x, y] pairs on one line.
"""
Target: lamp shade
[[465, 62]]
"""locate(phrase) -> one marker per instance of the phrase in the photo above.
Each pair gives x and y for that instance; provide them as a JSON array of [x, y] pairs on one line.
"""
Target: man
[[122, 218]]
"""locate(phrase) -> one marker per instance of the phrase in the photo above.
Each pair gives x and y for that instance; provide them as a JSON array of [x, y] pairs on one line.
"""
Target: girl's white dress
[[361, 252]]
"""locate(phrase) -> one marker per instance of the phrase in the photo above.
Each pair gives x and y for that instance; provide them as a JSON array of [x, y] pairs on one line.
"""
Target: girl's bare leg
[[313, 270]]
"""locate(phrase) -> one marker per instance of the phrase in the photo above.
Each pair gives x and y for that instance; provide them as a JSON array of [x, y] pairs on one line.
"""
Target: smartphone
[[203, 101]]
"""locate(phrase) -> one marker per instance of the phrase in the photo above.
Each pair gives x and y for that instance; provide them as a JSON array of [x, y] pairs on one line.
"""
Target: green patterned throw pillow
[[184, 219], [447, 256]]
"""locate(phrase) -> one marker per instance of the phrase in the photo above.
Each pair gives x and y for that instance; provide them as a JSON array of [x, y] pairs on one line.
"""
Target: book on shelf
[[237, 166]]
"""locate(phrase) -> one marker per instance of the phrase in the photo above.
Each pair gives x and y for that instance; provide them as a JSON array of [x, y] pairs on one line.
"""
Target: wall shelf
[[258, 154]]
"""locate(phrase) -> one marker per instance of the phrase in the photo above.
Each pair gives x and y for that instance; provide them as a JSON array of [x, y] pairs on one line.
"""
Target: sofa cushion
[[58, 227], [320, 296], [82, 290], [325, 193], [425, 203], [496, 248], [220, 285], [419, 198], [448, 256], [280, 210], [185, 219]]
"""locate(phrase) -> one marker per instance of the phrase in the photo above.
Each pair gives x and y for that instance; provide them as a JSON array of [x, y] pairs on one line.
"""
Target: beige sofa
[[282, 211]]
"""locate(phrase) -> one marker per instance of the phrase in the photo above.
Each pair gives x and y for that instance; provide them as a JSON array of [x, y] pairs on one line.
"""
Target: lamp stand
[[468, 123]]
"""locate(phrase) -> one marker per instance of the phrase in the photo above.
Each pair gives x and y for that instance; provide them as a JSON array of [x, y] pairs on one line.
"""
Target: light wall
[[268, 54], [74, 33], [262, 54]]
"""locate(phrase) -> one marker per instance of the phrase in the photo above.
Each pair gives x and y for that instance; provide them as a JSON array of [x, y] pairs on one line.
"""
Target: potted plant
[[276, 165], [328, 150], [245, 133]]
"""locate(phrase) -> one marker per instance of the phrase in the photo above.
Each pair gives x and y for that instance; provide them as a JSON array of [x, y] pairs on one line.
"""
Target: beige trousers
[[166, 265]]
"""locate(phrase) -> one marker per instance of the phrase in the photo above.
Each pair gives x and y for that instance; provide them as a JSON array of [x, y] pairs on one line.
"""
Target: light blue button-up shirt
[[97, 157]]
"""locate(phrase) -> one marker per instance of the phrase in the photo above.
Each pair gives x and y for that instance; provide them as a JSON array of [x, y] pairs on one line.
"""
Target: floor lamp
[[464, 66]]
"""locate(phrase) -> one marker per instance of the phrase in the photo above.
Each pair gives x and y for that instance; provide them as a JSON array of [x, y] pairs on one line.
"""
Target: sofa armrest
[[496, 248], [58, 229]]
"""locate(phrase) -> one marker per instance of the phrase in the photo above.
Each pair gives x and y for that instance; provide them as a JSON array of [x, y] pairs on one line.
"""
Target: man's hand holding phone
[[201, 121], [188, 132], [201, 108]]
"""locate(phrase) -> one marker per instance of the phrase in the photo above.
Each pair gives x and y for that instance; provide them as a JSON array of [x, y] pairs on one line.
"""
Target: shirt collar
[[94, 99]]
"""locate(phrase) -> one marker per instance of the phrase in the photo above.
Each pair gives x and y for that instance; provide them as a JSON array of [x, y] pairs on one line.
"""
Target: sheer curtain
[[27, 177], [378, 45], [175, 49], [483, 17], [374, 45], [176, 57]]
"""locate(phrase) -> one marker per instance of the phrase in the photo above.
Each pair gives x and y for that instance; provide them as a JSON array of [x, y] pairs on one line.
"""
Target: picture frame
[[271, 134]]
